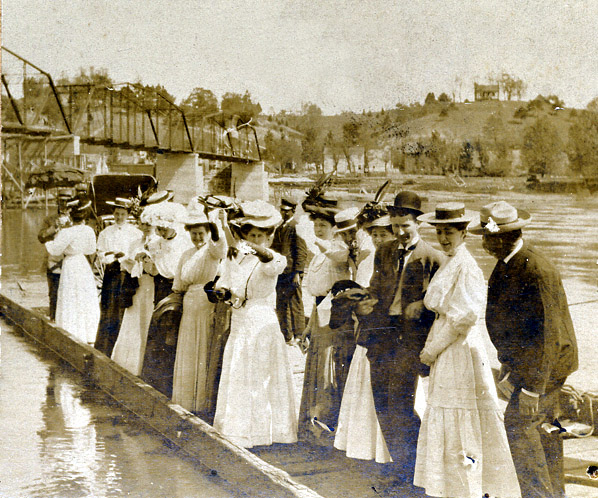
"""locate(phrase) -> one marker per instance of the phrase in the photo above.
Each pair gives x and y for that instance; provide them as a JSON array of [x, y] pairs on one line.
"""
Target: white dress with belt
[[78, 306], [462, 448], [196, 268], [256, 404]]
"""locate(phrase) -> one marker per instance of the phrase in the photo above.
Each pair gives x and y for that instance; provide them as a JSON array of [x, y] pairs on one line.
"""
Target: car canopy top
[[110, 186]]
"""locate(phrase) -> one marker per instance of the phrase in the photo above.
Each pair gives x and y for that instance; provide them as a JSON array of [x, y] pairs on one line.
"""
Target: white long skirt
[[130, 345], [359, 433], [462, 448], [78, 305], [256, 404], [191, 363]]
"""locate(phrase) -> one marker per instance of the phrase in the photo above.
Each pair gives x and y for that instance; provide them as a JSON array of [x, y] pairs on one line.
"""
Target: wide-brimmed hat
[[164, 214], [324, 212], [196, 214], [500, 217], [65, 194], [382, 221], [259, 214], [448, 213], [161, 196], [121, 202], [406, 202], [346, 219]]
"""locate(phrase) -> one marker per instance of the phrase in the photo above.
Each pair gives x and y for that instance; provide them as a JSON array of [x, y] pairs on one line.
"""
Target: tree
[[511, 85], [582, 148], [200, 102], [240, 105], [443, 97], [430, 98], [542, 147], [496, 147]]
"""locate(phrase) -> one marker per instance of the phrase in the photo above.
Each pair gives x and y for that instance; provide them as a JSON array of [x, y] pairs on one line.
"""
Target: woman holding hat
[[129, 349], [197, 267], [256, 404], [113, 243], [77, 307], [462, 447]]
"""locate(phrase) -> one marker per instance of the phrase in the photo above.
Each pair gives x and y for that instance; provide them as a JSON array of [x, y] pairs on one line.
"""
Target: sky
[[342, 55]]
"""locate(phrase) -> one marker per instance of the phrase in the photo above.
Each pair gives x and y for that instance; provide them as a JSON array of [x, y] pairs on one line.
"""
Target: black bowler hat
[[406, 203]]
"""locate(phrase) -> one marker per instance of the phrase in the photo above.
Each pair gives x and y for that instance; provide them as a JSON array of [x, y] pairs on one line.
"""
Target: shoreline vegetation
[[357, 187]]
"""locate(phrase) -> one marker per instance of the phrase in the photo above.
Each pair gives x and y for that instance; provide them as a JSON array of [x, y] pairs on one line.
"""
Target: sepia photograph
[[299, 249]]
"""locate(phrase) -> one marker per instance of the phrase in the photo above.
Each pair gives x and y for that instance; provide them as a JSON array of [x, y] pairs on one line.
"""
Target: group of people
[[200, 301]]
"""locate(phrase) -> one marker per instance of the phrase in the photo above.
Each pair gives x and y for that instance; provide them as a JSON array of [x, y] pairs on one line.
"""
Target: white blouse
[[77, 239]]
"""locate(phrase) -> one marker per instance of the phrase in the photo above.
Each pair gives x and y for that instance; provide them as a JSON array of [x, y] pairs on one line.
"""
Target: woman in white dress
[[78, 306], [197, 267], [255, 404], [462, 449], [359, 434], [129, 349]]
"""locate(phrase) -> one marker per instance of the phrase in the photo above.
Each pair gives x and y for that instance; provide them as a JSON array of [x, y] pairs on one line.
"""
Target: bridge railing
[[125, 115]]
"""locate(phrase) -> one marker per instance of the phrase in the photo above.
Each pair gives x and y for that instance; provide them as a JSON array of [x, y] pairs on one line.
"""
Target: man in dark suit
[[289, 299], [528, 320], [398, 328]]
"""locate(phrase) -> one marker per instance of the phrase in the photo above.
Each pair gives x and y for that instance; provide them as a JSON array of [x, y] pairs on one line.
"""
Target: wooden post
[[19, 145]]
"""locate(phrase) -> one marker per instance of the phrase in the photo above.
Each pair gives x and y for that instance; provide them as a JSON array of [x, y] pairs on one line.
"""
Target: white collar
[[516, 249], [412, 245]]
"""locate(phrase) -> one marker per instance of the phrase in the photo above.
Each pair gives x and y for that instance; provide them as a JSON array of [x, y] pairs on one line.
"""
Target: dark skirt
[[220, 333], [160, 350], [111, 308], [326, 368]]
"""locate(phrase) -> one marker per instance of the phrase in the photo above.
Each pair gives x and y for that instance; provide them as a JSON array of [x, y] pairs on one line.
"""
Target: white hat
[[346, 219], [258, 214], [196, 214], [164, 214]]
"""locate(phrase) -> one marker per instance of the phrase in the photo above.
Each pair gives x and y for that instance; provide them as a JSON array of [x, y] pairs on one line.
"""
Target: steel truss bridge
[[125, 115]]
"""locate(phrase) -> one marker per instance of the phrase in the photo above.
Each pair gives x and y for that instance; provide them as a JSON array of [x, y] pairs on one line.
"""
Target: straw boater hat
[[161, 196], [196, 214], [259, 214], [447, 213], [346, 219], [406, 202], [500, 217], [121, 202]]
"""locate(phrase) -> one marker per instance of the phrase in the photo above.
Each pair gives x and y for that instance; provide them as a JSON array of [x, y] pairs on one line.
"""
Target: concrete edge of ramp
[[194, 436]]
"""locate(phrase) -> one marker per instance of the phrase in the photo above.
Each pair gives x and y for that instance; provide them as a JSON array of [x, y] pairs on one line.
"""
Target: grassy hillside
[[466, 121]]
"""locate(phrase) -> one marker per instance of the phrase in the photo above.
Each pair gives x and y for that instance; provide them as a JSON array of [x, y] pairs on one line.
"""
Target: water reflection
[[59, 438]]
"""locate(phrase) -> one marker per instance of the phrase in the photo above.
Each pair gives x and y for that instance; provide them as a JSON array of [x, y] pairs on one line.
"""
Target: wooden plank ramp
[[300, 470]]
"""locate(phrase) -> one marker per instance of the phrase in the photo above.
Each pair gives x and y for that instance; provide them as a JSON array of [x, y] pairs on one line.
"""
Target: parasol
[[55, 177]]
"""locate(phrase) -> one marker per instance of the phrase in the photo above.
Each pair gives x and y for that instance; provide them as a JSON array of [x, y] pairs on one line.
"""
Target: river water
[[59, 438]]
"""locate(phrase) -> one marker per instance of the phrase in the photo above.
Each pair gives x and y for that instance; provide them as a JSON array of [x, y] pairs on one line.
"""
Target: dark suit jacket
[[528, 320], [292, 246], [419, 270]]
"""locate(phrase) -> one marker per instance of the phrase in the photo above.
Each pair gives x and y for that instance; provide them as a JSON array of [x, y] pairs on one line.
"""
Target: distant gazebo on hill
[[486, 92]]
